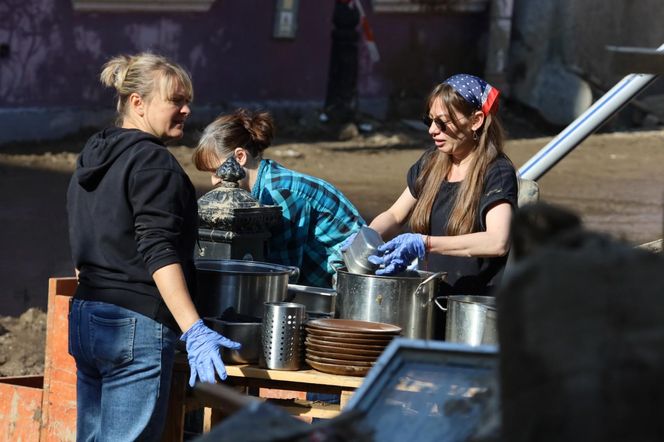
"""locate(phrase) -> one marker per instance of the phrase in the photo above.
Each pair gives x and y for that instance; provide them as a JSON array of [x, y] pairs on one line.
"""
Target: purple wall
[[55, 53]]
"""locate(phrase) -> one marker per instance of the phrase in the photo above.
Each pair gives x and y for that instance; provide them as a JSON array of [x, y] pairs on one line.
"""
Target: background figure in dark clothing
[[132, 225], [581, 333], [341, 97]]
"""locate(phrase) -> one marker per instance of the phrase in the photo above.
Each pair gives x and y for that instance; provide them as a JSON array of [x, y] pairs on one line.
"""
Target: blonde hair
[[251, 130], [437, 166], [143, 74]]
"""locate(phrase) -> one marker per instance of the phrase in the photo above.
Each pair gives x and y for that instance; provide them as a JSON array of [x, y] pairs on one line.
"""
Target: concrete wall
[[558, 61], [53, 54]]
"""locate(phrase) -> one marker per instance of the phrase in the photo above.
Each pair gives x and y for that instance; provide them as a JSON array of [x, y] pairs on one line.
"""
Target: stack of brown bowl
[[345, 346]]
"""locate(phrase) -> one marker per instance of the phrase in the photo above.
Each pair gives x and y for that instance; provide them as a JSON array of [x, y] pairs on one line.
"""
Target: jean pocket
[[112, 339]]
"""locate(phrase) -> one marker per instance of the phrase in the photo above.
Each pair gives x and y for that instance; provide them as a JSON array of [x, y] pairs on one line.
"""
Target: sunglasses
[[440, 124]]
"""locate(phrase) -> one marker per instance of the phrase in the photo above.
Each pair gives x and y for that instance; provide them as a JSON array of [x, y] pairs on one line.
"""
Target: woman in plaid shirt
[[317, 217]]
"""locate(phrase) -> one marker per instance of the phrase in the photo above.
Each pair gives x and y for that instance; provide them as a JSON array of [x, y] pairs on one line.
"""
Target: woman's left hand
[[203, 352], [398, 253]]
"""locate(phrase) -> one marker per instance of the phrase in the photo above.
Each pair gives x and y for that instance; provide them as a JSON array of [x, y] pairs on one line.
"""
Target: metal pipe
[[587, 123]]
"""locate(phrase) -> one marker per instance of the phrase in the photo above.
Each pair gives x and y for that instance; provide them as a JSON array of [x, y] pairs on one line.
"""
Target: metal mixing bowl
[[246, 333]]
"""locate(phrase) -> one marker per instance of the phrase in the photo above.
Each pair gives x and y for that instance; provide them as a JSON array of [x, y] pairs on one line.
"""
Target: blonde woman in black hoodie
[[132, 226]]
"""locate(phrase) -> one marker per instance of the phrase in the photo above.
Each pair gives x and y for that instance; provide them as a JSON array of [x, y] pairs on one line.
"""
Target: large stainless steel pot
[[242, 285], [406, 301], [470, 319]]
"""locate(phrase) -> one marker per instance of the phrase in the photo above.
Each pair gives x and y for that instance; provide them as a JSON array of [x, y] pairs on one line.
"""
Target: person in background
[[132, 226], [460, 194], [317, 217]]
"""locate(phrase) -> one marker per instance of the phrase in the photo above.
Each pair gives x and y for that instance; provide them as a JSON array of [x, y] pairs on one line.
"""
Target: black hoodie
[[132, 210]]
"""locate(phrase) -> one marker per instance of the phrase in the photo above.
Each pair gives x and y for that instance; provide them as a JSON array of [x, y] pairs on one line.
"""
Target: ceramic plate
[[344, 342], [352, 338], [354, 326], [339, 356], [347, 370], [359, 335], [311, 357], [344, 349]]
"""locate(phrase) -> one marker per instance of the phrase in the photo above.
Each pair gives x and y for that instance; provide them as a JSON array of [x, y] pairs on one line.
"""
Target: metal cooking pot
[[246, 333], [241, 285], [318, 301], [470, 319], [405, 300]]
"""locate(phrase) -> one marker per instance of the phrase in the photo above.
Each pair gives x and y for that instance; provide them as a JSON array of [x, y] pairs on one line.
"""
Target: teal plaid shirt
[[317, 218]]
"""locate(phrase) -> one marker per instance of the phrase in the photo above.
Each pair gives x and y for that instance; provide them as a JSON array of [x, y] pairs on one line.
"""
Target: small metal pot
[[243, 286], [470, 319], [318, 301], [246, 333], [356, 256]]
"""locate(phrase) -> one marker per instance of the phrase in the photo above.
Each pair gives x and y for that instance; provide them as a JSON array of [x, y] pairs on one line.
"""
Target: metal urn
[[232, 224]]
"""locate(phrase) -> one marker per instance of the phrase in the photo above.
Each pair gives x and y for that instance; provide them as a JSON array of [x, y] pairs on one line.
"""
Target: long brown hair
[[243, 128], [437, 166]]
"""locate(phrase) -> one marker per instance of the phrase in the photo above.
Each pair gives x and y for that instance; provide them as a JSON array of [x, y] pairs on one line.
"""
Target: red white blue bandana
[[475, 91]]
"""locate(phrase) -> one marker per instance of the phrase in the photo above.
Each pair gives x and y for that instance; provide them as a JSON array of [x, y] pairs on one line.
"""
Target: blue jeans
[[124, 362]]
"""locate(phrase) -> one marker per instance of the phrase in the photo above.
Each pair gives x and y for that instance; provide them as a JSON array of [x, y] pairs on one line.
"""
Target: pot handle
[[438, 304], [430, 278], [293, 274], [334, 281]]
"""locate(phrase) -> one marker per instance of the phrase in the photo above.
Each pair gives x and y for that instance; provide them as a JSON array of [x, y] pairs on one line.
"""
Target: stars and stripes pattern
[[475, 91]]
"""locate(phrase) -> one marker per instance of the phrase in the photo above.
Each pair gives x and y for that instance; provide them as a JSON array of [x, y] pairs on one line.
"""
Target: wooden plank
[[300, 376], [32, 381], [345, 397], [177, 404], [63, 286], [20, 408], [208, 419], [273, 393], [283, 385], [59, 398], [304, 408]]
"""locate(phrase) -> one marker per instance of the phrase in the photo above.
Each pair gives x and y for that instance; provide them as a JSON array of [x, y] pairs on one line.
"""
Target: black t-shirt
[[468, 276]]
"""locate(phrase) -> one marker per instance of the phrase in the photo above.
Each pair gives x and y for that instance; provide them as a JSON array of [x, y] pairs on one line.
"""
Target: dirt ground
[[614, 181]]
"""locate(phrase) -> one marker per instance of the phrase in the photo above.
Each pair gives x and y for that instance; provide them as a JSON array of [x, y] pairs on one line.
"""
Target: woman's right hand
[[398, 253]]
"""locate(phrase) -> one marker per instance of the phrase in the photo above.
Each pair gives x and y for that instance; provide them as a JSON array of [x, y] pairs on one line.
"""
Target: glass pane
[[429, 401]]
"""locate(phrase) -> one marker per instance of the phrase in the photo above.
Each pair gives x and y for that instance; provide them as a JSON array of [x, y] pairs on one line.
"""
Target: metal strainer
[[282, 335]]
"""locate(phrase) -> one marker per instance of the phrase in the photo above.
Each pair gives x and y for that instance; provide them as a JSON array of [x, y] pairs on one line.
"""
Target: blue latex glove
[[398, 253], [203, 352], [347, 242]]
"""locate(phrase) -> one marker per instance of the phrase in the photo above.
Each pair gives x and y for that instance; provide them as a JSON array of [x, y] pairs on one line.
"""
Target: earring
[[475, 136]]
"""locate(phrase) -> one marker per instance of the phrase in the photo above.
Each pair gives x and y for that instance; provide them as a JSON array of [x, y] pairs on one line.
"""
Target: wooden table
[[310, 381], [252, 377]]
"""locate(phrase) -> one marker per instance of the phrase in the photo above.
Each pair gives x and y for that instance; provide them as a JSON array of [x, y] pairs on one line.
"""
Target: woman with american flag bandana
[[460, 194]]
